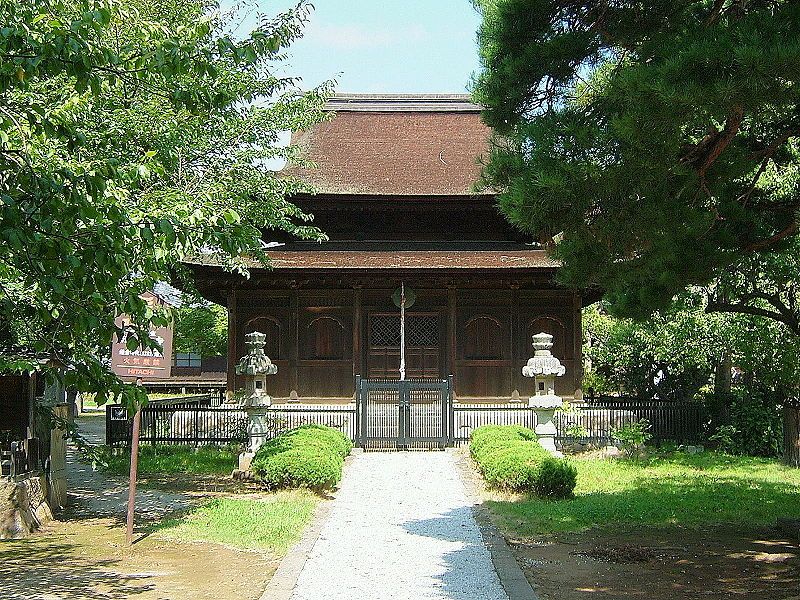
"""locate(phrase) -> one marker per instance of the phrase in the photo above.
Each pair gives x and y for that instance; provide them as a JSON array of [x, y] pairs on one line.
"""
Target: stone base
[[23, 507], [242, 475], [245, 458]]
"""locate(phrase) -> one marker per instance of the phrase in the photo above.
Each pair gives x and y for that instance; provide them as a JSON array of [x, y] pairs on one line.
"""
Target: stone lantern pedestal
[[255, 366], [543, 367]]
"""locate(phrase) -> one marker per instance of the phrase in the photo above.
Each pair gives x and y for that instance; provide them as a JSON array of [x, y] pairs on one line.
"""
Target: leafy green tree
[[670, 356], [133, 134], [684, 353], [202, 328], [653, 144]]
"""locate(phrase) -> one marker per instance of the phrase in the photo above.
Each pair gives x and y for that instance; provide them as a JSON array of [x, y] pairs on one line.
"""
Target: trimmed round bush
[[335, 438], [301, 468], [310, 456], [492, 435], [510, 458], [511, 466], [555, 478]]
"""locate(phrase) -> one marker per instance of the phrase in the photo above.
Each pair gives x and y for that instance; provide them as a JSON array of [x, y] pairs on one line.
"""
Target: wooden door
[[422, 345]]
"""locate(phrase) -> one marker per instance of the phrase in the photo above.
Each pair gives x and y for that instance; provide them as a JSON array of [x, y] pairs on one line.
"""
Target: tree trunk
[[791, 435], [722, 377]]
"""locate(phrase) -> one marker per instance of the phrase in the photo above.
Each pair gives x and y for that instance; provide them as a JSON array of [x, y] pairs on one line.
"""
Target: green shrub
[[310, 456], [555, 479], [725, 438], [510, 458], [752, 423], [492, 435], [301, 468], [513, 465], [160, 459], [632, 436]]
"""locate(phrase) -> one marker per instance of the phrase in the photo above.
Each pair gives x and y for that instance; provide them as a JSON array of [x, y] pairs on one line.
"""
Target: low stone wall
[[23, 506]]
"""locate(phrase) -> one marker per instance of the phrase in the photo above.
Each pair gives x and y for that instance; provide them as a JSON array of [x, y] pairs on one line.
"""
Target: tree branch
[[776, 143], [716, 12], [788, 231], [746, 309]]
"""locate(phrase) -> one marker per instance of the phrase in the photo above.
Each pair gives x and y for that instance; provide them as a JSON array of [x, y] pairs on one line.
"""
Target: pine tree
[[655, 141]]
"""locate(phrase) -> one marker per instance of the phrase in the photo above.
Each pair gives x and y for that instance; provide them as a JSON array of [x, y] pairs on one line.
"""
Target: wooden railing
[[20, 457]]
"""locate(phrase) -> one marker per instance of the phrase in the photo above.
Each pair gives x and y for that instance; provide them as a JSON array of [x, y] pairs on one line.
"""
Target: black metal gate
[[403, 415]]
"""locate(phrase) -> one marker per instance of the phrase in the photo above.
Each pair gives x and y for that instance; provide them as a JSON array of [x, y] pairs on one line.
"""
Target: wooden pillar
[[452, 296], [294, 338], [516, 369], [577, 341], [232, 336], [357, 331]]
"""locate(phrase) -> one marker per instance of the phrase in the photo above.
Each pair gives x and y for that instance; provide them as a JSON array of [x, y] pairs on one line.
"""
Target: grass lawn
[[679, 489], [175, 459], [272, 523]]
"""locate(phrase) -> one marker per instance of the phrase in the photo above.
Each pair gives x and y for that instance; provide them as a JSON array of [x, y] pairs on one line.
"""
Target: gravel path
[[401, 527], [94, 494]]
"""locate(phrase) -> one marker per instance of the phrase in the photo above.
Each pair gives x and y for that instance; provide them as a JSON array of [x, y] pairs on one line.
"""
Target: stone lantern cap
[[543, 362], [255, 362]]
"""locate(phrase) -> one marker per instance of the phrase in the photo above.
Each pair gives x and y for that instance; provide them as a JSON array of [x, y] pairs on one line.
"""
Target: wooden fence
[[590, 423], [19, 457], [199, 425]]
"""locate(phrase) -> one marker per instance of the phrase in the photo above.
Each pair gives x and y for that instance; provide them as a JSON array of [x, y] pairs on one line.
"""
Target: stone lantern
[[255, 366], [544, 368]]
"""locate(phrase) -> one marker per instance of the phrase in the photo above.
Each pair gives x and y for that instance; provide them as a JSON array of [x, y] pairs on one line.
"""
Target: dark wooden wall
[[321, 338], [14, 405]]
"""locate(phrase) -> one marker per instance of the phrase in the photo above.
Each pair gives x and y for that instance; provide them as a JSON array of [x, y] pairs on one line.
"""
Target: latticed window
[[385, 330], [421, 331]]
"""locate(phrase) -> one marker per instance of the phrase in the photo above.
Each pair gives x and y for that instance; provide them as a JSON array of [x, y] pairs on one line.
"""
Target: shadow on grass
[[37, 568], [685, 500]]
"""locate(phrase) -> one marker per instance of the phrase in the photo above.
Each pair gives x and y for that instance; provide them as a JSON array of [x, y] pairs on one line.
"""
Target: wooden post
[[451, 331], [357, 298], [294, 337], [402, 331], [514, 325], [791, 435], [231, 375], [577, 341], [137, 421]]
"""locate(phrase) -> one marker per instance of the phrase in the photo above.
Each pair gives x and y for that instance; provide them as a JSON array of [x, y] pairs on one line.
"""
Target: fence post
[[362, 400], [532, 414], [451, 415], [357, 416], [109, 441]]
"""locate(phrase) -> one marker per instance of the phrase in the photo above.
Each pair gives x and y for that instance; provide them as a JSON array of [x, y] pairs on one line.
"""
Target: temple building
[[395, 179]]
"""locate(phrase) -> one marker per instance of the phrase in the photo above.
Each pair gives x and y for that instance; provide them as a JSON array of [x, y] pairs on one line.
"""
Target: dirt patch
[[663, 564], [87, 559]]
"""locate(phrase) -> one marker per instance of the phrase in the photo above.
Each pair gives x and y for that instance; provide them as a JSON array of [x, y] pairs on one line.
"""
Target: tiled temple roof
[[401, 259], [395, 146]]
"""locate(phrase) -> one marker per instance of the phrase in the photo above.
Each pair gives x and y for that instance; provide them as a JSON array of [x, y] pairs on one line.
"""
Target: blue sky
[[390, 46]]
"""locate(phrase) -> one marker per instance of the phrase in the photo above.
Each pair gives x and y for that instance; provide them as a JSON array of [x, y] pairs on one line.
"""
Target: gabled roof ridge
[[402, 103]]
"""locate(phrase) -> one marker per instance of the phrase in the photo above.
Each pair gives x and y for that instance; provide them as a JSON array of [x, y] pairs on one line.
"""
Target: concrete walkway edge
[[282, 584], [508, 570], [511, 577]]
